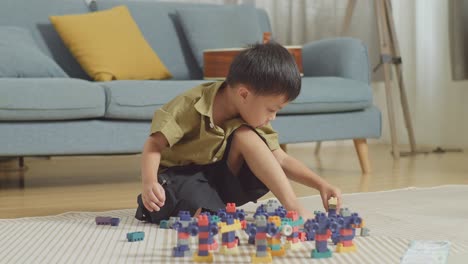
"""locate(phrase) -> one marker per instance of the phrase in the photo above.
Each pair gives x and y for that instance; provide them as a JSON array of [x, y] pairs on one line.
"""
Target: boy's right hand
[[153, 196]]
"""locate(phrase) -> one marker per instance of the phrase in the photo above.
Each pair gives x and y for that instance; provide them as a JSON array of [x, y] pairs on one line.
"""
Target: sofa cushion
[[109, 45], [219, 27], [159, 24], [21, 57], [50, 99], [138, 100], [329, 94]]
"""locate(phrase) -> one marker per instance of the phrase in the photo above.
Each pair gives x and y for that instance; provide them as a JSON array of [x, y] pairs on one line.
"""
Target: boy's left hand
[[326, 192]]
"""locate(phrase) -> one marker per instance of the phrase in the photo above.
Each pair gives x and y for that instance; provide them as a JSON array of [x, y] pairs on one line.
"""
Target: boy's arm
[[153, 194], [298, 172]]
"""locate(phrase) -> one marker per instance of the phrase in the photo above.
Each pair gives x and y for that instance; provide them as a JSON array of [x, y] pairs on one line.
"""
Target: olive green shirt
[[187, 123]]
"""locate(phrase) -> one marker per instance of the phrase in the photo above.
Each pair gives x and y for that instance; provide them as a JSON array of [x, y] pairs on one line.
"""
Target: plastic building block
[[135, 236], [295, 221], [261, 229], [322, 226], [365, 231], [206, 230], [185, 227], [115, 221], [107, 220], [319, 255], [164, 224]]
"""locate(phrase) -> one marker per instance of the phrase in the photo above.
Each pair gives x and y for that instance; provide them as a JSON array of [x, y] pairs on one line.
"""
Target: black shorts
[[209, 187]]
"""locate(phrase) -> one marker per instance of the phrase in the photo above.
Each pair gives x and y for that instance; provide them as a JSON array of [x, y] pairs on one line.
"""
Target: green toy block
[[319, 255]]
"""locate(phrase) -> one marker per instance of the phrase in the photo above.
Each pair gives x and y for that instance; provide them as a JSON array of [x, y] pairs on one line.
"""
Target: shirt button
[[215, 159], [211, 125]]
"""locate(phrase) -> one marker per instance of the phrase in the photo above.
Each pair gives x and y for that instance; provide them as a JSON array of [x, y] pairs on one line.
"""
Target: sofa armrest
[[340, 57]]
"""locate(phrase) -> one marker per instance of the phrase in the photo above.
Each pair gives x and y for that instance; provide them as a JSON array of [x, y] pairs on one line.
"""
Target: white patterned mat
[[394, 218]]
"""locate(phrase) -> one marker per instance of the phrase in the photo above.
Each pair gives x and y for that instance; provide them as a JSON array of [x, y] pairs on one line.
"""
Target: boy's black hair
[[267, 69]]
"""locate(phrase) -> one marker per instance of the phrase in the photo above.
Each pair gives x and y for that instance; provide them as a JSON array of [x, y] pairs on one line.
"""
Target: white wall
[[439, 105]]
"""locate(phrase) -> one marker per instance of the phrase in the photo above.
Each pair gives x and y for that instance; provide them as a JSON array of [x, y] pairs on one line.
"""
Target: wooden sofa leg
[[363, 154]]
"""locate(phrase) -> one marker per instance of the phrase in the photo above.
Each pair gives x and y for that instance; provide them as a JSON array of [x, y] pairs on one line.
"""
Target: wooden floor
[[99, 183]]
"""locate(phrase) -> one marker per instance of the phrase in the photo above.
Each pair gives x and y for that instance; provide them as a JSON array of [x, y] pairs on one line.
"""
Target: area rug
[[394, 218]]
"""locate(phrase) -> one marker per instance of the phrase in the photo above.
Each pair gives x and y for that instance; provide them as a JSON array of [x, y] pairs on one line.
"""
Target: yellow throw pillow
[[109, 45]]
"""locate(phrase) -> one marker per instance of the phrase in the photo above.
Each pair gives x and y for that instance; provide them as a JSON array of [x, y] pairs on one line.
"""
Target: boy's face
[[259, 110]]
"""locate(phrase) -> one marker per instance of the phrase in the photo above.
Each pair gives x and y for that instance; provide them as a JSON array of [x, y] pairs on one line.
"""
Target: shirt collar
[[204, 105]]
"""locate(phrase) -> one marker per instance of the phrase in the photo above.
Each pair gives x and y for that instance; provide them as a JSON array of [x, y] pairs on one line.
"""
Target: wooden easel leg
[[391, 113], [399, 73], [385, 50], [363, 154], [349, 14]]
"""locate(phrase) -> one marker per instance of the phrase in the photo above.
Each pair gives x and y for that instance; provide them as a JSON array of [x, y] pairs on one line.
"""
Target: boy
[[214, 144]]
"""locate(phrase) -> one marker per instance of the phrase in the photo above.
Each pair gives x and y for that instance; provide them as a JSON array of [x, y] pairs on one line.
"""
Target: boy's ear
[[243, 91]]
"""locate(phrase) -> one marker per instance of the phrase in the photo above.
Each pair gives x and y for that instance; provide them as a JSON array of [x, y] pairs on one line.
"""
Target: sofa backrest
[[157, 21], [34, 15]]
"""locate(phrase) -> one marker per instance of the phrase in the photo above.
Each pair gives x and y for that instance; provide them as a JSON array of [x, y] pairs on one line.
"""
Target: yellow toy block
[[341, 249], [208, 258], [224, 228], [278, 253], [265, 259], [229, 251], [275, 220], [332, 203]]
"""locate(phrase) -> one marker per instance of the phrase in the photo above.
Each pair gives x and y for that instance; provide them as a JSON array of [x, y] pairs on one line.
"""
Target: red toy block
[[204, 234], [302, 236], [346, 232], [203, 220], [230, 208], [182, 235], [260, 236], [293, 215], [204, 247]]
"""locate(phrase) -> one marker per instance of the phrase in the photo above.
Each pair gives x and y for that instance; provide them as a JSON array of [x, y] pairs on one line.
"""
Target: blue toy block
[[228, 237], [321, 246], [203, 253], [251, 240], [114, 221], [181, 251], [184, 216], [135, 236], [261, 248]]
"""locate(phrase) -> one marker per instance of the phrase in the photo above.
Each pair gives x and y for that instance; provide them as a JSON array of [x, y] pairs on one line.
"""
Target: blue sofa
[[76, 116]]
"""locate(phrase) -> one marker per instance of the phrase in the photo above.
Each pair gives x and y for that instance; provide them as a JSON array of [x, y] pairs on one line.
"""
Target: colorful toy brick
[[322, 227], [107, 220], [274, 241], [135, 236], [206, 230], [365, 231], [231, 210], [260, 229], [270, 208], [185, 227], [295, 221], [227, 229], [347, 223]]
